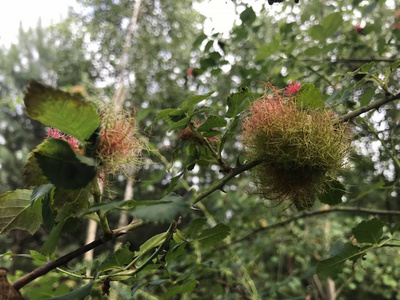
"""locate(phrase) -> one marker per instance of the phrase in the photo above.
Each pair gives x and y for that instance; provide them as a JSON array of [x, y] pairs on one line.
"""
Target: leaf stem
[[304, 215], [168, 236], [220, 183], [215, 154]]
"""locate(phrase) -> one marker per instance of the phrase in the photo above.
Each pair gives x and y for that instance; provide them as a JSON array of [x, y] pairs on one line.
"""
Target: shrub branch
[[304, 215], [74, 254], [373, 105]]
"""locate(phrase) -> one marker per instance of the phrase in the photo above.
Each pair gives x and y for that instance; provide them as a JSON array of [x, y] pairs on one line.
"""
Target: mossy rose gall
[[300, 150]]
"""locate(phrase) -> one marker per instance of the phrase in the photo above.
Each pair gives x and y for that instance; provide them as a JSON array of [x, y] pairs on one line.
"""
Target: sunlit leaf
[[310, 96], [237, 102], [16, 212], [64, 111]]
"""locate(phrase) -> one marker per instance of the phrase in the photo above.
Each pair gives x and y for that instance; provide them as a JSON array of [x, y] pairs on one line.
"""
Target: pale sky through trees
[[28, 12], [220, 15]]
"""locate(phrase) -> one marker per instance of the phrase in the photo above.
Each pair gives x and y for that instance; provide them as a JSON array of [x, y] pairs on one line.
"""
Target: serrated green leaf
[[187, 287], [78, 294], [76, 200], [212, 122], [164, 212], [332, 266], [63, 166], [16, 212], [41, 191], [213, 236], [195, 226], [369, 231], [331, 23], [317, 32], [64, 111], [117, 259], [248, 16], [189, 104], [237, 102], [309, 96], [334, 195]]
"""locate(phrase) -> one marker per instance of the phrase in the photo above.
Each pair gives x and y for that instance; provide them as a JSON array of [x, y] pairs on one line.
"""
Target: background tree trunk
[[118, 99]]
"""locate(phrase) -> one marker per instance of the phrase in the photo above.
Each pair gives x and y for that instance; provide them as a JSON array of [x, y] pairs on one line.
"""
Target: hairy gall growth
[[300, 150], [118, 145]]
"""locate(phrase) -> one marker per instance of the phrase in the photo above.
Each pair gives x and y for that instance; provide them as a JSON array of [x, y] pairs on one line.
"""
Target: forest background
[[149, 56]]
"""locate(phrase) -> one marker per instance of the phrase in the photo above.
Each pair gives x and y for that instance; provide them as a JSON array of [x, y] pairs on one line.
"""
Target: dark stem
[[304, 215], [368, 107], [70, 256], [350, 60], [220, 183]]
